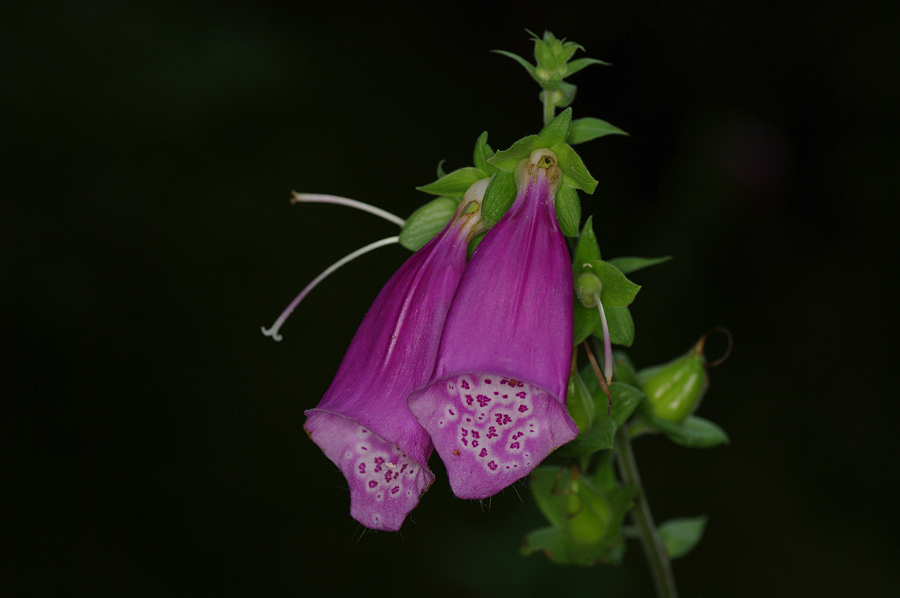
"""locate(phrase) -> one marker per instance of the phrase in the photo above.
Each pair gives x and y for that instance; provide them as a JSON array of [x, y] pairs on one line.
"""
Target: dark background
[[154, 442]]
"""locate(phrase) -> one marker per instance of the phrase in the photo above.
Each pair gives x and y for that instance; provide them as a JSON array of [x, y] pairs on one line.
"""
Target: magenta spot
[[496, 393], [486, 381], [521, 394], [492, 432], [372, 484], [362, 468], [483, 453], [469, 399], [505, 396], [492, 466], [395, 489], [523, 408], [469, 419], [474, 443], [475, 434], [482, 400], [365, 448], [518, 435], [464, 441], [514, 445], [464, 431], [502, 419], [405, 465], [451, 412], [464, 384]]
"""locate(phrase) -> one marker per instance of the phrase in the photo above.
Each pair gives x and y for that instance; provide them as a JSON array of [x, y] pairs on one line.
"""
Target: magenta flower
[[363, 423], [495, 405]]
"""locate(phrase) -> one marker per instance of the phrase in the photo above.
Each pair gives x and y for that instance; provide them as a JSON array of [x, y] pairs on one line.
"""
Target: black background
[[154, 442]]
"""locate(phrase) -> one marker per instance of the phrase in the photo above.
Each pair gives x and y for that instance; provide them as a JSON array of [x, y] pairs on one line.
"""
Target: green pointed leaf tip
[[426, 222], [587, 249], [574, 170], [632, 264], [528, 66], [456, 183], [557, 130], [681, 535], [482, 154], [586, 129]]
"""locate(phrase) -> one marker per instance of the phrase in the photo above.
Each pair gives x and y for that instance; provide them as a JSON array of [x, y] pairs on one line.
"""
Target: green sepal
[[557, 130], [568, 210], [681, 535], [426, 222], [508, 159], [498, 197], [573, 169], [528, 66], [587, 249], [547, 484], [456, 183], [621, 326], [618, 291], [632, 264], [440, 169], [482, 154], [576, 65], [586, 129], [693, 432]]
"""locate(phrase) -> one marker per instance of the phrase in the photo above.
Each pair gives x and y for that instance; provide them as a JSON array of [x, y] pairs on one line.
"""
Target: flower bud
[[674, 390], [587, 514]]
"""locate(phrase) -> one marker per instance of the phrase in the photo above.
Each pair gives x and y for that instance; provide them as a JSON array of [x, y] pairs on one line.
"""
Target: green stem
[[654, 549], [549, 107]]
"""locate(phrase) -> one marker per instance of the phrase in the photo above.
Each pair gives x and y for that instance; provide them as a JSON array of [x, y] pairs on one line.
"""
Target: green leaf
[[426, 222], [598, 438], [568, 210], [499, 195], [573, 169], [587, 250], [621, 326], [586, 129], [618, 291], [482, 154], [576, 65], [508, 159], [456, 183], [556, 131], [693, 432], [682, 534], [631, 264], [528, 66]]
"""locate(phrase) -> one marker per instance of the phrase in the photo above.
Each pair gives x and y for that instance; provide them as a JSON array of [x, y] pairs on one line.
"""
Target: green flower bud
[[587, 514], [674, 390]]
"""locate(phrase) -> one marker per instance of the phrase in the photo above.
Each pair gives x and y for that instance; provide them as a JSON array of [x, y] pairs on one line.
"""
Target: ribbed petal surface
[[495, 406]]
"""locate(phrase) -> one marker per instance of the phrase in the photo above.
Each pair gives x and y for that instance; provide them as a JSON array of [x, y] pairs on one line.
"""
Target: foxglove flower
[[495, 404], [363, 423]]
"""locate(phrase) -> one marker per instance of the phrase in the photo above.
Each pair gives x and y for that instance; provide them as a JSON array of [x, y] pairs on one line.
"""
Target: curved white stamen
[[343, 201], [273, 331], [607, 346]]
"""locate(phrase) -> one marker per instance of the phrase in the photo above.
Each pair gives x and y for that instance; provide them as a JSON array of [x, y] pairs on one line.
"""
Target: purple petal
[[510, 321], [363, 423]]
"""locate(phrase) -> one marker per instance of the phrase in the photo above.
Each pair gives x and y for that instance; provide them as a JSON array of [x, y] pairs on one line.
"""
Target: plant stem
[[549, 107], [654, 549]]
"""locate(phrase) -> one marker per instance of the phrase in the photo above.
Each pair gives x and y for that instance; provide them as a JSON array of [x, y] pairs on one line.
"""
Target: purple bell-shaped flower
[[363, 423], [495, 405]]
